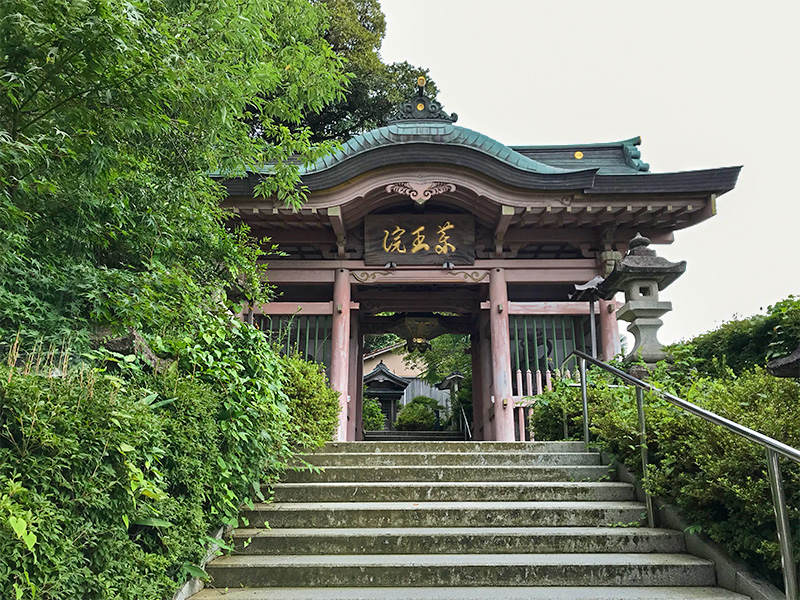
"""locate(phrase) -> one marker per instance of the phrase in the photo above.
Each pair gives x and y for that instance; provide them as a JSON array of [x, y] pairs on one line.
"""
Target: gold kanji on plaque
[[396, 244], [444, 246], [419, 240]]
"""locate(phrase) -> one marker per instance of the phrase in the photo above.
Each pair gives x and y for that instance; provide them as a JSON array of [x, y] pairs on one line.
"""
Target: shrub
[[746, 343], [418, 415], [372, 415], [717, 479], [112, 479], [313, 404], [118, 494], [556, 414]]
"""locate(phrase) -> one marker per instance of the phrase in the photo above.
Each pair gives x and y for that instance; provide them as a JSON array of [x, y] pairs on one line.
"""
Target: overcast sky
[[705, 83]]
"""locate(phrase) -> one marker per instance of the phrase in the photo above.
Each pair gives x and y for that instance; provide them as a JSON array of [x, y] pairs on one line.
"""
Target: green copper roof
[[432, 132], [611, 158]]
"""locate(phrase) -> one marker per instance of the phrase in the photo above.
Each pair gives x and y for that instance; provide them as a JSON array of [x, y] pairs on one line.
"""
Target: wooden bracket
[[506, 214], [335, 217]]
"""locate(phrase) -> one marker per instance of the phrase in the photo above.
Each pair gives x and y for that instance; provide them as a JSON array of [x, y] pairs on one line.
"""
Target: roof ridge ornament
[[420, 108]]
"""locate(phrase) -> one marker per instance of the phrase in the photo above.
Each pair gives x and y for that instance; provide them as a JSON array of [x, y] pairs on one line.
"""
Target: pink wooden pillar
[[478, 397], [360, 391], [485, 351], [340, 345], [353, 383], [609, 330], [356, 380], [501, 357]]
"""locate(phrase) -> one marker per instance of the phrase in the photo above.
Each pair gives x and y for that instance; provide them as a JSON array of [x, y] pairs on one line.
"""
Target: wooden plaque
[[423, 239]]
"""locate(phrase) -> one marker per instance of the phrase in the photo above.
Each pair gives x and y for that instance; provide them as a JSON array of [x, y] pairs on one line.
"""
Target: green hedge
[[417, 415], [371, 415], [313, 404], [112, 479], [742, 344], [717, 479]]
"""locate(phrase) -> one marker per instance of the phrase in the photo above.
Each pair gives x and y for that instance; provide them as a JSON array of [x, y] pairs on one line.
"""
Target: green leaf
[[18, 525], [152, 522], [195, 571], [162, 403], [125, 448], [30, 540], [149, 398]]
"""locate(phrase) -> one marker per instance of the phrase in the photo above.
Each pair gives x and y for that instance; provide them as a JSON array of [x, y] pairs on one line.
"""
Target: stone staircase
[[456, 521], [409, 436]]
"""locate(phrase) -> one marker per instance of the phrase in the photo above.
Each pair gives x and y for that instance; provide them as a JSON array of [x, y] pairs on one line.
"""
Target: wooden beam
[[291, 308], [335, 217], [506, 214], [296, 275], [550, 308], [315, 237], [545, 275]]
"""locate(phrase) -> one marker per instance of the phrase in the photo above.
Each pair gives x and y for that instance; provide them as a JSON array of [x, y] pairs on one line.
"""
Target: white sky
[[706, 83]]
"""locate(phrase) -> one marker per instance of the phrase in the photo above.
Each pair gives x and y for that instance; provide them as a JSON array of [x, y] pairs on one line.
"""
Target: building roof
[[564, 186], [609, 158], [439, 133], [382, 374], [383, 350], [593, 168]]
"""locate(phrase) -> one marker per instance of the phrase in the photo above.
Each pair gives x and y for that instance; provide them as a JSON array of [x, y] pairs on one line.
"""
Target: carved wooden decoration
[[420, 192], [426, 239]]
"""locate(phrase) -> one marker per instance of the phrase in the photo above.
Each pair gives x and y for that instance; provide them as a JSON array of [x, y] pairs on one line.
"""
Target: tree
[[448, 354], [112, 114], [357, 29]]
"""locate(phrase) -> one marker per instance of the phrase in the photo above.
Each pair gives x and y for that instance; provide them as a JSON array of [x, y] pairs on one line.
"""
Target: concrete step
[[392, 436], [452, 473], [473, 593], [461, 570], [458, 459], [449, 491], [421, 446], [444, 514], [458, 540]]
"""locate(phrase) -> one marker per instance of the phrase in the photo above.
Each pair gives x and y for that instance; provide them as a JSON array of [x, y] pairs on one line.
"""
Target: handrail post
[[782, 522], [585, 400], [651, 516], [467, 430]]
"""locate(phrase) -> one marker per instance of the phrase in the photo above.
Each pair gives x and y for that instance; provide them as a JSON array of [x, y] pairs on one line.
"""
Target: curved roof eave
[[717, 181]]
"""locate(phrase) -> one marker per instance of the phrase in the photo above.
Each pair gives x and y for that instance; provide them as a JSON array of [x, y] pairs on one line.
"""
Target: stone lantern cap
[[451, 381], [642, 263], [788, 366]]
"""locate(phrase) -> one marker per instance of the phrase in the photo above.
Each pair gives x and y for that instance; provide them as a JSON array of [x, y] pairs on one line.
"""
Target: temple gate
[[423, 227]]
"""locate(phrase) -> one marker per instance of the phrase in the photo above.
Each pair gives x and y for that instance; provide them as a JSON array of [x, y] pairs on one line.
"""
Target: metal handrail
[[773, 448], [466, 423]]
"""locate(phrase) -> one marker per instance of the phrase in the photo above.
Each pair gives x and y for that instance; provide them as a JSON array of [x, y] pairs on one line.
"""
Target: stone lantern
[[641, 275]]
